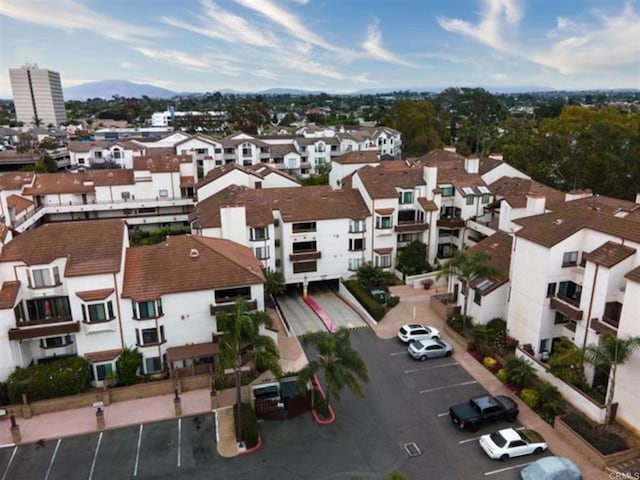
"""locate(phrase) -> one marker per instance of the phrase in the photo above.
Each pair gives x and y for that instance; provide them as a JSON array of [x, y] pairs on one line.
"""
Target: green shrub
[[519, 372], [58, 378], [497, 325], [530, 397], [412, 259], [395, 475], [363, 296], [605, 442], [550, 401], [455, 322], [320, 404], [128, 365], [4, 394], [502, 375], [393, 301], [249, 425], [140, 237], [567, 363], [482, 337], [370, 276]]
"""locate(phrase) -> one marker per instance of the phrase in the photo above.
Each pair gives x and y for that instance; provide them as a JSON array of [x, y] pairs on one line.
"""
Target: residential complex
[[37, 95]]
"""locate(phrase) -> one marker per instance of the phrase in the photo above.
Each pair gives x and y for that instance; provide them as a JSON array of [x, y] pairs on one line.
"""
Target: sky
[[330, 45]]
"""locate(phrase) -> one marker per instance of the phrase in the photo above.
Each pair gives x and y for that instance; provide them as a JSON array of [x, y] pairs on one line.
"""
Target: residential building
[[37, 95], [97, 153]]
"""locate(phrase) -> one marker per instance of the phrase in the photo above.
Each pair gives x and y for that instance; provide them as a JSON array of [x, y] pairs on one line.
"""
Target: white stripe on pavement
[[449, 386], [404, 352], [413, 370], [135, 467], [443, 414], [7, 445], [95, 456], [6, 470], [469, 440], [179, 439], [506, 469], [53, 457]]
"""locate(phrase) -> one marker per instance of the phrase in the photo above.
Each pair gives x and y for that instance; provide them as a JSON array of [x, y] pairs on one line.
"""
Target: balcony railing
[[566, 308], [411, 227], [602, 327], [306, 255], [42, 321], [453, 222], [230, 307], [570, 300]]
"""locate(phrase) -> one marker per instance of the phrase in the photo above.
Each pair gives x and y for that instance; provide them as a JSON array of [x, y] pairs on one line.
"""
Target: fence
[[418, 281]]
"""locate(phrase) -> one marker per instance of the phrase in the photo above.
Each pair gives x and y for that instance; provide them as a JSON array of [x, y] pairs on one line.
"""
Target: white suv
[[416, 331]]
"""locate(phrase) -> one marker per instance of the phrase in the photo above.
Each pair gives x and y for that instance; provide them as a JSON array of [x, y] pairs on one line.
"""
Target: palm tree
[[341, 364], [550, 401], [466, 267], [240, 340], [519, 372], [273, 283], [611, 352]]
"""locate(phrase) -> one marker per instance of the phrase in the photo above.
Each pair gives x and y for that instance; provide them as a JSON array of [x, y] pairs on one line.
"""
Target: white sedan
[[508, 443], [416, 331]]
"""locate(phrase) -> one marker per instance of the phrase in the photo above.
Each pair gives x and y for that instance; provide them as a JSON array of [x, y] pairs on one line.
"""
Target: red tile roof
[[357, 157], [609, 254], [102, 356], [164, 164], [634, 275], [95, 295], [54, 183], [90, 247], [498, 247], [515, 190], [188, 263], [18, 203], [8, 294], [383, 182], [15, 180]]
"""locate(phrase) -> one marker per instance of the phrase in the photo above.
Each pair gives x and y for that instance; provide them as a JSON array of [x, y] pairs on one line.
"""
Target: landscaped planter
[[316, 416]]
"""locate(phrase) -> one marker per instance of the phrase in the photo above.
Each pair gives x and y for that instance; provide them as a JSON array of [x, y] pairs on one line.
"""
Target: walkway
[[337, 309], [419, 300], [299, 314]]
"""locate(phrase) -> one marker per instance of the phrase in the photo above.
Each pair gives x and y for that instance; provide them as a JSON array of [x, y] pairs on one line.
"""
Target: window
[[163, 193], [246, 150], [383, 261], [230, 295], [97, 312], [303, 227], [470, 199], [116, 153], [258, 185], [544, 345], [143, 310], [320, 148], [149, 336], [356, 226], [45, 277], [485, 198], [259, 234], [356, 244], [278, 263], [48, 308], [447, 191], [583, 259], [103, 370], [125, 195], [570, 259], [217, 150], [551, 289], [303, 267], [405, 197], [570, 292], [477, 297], [201, 151], [383, 222], [261, 253], [54, 342], [81, 161], [355, 263], [152, 364], [560, 318]]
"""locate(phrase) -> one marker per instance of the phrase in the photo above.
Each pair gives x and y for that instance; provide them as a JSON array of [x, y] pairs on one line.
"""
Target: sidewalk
[[411, 298], [227, 443]]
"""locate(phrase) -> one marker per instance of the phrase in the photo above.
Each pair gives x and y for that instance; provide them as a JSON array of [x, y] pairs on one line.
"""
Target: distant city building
[[37, 95]]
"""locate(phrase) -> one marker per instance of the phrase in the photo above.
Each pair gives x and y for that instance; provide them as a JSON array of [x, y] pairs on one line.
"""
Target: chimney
[[233, 223], [472, 165], [577, 194], [449, 149], [535, 204], [638, 198], [496, 156], [430, 176]]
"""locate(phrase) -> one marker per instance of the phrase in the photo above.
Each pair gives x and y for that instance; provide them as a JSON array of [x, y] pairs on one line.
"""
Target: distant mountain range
[[108, 88]]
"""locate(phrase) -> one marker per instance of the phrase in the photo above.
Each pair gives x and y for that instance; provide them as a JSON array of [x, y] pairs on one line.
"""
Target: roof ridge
[[200, 239]]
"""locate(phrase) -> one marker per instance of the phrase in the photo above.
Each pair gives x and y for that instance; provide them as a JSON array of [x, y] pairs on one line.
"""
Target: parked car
[[417, 331], [551, 468], [483, 409], [509, 442], [432, 348]]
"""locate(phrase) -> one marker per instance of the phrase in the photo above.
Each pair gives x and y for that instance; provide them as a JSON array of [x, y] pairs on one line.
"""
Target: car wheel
[[538, 451], [423, 358], [505, 457], [448, 354], [511, 418], [474, 427]]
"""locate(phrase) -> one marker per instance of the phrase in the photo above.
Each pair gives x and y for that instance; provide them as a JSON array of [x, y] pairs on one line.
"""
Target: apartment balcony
[[566, 306], [484, 227], [403, 227], [99, 326], [49, 330], [603, 326], [577, 275], [305, 255], [452, 222], [229, 307], [43, 321]]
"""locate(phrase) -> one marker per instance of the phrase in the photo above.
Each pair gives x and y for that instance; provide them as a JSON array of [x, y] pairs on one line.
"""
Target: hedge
[[605, 442], [58, 378], [370, 304], [4, 394], [249, 425]]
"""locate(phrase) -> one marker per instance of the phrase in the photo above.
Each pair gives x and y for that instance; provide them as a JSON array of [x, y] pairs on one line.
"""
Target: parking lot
[[170, 449]]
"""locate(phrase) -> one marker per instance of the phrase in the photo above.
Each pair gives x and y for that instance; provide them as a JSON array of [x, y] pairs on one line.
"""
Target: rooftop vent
[[194, 253], [558, 221]]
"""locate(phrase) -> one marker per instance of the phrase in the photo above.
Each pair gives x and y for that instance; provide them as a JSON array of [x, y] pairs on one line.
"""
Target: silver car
[[432, 348]]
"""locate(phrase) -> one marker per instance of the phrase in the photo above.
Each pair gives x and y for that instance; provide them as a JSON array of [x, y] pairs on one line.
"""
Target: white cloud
[[263, 73], [496, 15], [126, 65], [374, 48], [314, 68], [221, 24], [499, 76], [608, 44], [72, 15], [203, 63], [304, 48], [291, 23]]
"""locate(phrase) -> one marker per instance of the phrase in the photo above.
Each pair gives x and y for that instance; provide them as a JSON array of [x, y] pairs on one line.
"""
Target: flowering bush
[[489, 362], [530, 397]]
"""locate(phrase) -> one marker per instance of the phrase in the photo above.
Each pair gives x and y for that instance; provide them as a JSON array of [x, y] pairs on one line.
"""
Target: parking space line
[[53, 457], [135, 467], [413, 370], [506, 469], [404, 352], [6, 470], [95, 456], [469, 440], [179, 439], [471, 382], [443, 414]]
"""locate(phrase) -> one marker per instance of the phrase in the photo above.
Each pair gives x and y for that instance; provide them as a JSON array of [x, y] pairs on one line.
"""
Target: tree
[[240, 342], [412, 259], [273, 283], [336, 358], [610, 353], [519, 372], [466, 266], [418, 123], [128, 365], [550, 401], [370, 276]]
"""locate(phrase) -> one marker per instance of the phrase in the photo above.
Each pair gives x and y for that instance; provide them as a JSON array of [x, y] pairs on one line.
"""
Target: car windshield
[[498, 439], [531, 436], [403, 331], [417, 344]]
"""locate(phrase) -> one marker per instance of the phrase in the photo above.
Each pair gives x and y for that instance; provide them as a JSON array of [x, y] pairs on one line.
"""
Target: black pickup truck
[[483, 409]]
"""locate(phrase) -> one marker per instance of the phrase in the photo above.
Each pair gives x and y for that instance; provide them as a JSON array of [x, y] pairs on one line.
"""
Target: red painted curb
[[254, 448], [326, 320], [332, 416]]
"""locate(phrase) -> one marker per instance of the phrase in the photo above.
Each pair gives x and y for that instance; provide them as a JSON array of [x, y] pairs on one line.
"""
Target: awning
[[195, 350], [94, 295], [385, 211], [103, 356], [383, 251]]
